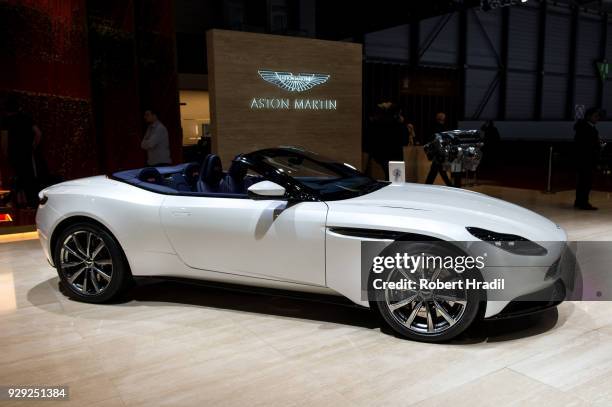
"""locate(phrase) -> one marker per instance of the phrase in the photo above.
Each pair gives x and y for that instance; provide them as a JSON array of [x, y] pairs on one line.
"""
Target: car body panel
[[442, 213], [256, 238], [131, 214], [281, 244]]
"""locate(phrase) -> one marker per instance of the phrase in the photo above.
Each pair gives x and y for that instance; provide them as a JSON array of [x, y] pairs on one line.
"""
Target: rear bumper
[[44, 229]]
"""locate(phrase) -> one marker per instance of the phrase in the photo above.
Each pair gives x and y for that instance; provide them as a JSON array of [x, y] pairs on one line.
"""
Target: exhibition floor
[[179, 344]]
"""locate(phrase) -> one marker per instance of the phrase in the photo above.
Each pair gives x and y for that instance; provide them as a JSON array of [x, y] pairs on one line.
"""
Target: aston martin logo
[[294, 83]]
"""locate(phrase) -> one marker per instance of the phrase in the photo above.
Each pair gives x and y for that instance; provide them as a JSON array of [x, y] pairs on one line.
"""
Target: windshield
[[328, 179]]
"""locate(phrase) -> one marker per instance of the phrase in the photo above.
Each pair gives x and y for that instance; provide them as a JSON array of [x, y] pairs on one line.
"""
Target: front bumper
[[526, 305], [533, 289]]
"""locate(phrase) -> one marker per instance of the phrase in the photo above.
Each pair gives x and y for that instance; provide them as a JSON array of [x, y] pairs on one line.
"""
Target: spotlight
[[486, 5]]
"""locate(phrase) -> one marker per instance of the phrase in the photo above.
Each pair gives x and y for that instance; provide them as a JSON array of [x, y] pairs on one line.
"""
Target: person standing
[[491, 140], [392, 136], [440, 123], [588, 148], [155, 141], [385, 137], [436, 167], [23, 137], [412, 136]]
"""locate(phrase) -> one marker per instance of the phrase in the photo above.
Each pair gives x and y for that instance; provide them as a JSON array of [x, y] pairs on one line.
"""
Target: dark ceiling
[[596, 5], [345, 19]]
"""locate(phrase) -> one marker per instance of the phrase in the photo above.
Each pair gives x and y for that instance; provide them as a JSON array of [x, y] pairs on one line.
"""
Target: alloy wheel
[[426, 312], [86, 262]]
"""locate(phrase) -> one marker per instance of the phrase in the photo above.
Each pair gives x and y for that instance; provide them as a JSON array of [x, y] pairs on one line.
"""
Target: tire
[[90, 264], [426, 315]]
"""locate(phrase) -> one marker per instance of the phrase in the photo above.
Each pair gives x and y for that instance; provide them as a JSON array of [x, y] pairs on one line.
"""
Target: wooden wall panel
[[234, 60]]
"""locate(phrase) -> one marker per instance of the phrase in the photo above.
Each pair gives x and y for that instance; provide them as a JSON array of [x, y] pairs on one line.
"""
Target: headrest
[[203, 167], [214, 170], [238, 169], [192, 173], [150, 175]]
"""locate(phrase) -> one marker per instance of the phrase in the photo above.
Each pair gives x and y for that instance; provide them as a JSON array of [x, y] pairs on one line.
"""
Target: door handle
[[181, 213]]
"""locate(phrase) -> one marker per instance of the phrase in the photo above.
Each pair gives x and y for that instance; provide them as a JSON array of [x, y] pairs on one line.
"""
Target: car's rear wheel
[[427, 315], [90, 263]]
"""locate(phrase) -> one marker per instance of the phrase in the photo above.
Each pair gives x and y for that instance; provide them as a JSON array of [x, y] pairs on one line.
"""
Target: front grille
[[535, 302]]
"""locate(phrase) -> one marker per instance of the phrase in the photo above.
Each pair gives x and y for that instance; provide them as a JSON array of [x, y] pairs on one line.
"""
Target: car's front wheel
[[90, 263], [427, 315]]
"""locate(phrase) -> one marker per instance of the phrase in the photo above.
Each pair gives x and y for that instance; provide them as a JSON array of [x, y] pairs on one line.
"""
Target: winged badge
[[293, 83]]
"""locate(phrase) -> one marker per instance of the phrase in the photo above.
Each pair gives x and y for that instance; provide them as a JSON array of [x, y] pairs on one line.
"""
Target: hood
[[445, 212]]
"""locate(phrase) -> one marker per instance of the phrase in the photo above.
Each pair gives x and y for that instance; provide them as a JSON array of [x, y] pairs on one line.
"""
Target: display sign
[[397, 172], [293, 83], [268, 90]]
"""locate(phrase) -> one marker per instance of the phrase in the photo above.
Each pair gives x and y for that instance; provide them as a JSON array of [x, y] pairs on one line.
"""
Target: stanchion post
[[549, 179]]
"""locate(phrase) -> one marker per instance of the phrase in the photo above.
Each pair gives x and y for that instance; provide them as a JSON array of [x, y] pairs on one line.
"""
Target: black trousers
[[434, 170], [384, 163], [25, 181], [584, 184]]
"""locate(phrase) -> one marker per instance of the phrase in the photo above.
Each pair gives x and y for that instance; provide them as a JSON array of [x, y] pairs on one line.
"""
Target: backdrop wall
[[268, 90]]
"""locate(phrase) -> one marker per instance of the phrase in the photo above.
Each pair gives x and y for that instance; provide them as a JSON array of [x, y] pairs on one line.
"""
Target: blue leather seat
[[235, 181], [188, 179], [211, 179], [151, 175]]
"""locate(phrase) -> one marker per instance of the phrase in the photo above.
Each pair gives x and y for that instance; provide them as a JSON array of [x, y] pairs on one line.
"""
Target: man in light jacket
[[155, 141]]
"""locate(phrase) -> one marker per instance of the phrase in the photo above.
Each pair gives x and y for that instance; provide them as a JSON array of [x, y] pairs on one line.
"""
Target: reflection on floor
[[18, 237], [177, 344], [18, 217]]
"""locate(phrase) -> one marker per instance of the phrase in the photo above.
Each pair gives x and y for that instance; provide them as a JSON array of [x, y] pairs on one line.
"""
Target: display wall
[[268, 90], [132, 58], [45, 64]]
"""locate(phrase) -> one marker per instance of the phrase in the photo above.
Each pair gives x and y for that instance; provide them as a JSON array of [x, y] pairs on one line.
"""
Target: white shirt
[[156, 143]]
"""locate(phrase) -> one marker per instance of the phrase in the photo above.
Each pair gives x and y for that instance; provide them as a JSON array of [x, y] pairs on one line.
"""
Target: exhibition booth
[[268, 90], [246, 106], [261, 90], [297, 203]]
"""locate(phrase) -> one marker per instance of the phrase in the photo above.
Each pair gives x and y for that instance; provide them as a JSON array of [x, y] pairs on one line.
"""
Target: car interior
[[207, 179]]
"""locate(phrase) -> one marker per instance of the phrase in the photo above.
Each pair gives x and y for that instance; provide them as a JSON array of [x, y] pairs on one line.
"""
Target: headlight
[[510, 243]]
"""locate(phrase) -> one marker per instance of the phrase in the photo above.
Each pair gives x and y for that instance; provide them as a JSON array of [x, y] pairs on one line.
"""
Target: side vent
[[381, 234]]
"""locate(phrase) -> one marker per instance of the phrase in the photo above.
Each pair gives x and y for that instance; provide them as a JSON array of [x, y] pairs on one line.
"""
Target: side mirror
[[266, 190]]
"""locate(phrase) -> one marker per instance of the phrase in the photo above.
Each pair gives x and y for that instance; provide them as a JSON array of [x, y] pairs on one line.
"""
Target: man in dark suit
[[588, 148], [436, 167]]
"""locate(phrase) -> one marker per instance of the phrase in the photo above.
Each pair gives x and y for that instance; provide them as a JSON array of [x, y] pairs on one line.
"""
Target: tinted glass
[[330, 180]]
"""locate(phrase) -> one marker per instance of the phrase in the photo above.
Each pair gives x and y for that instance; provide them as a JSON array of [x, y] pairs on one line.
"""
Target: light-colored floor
[[175, 344]]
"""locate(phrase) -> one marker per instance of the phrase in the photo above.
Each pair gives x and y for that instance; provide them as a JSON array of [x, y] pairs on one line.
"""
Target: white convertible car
[[287, 219]]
